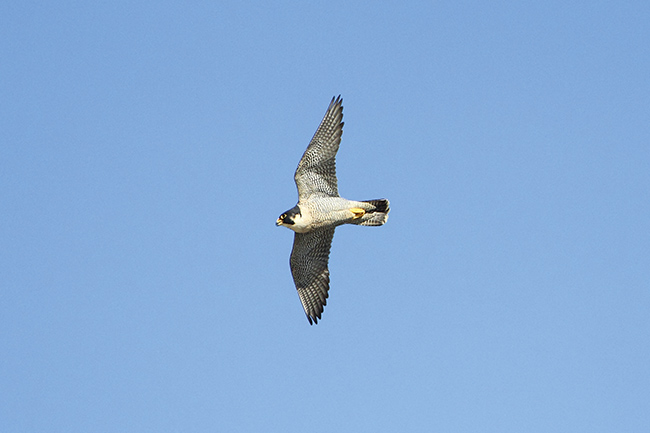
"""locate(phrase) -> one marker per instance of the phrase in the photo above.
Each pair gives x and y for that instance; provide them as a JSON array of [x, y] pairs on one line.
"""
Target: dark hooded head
[[288, 218]]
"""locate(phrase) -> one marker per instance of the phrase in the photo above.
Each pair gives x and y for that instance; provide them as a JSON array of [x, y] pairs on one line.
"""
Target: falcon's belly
[[326, 212]]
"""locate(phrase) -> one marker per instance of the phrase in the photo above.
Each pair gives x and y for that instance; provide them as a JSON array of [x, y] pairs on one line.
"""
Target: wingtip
[[336, 100]]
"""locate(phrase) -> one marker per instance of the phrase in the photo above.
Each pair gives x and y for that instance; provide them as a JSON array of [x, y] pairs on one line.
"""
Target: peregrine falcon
[[319, 210]]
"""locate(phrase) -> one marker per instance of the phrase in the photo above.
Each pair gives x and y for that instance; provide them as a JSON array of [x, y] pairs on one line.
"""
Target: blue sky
[[148, 147]]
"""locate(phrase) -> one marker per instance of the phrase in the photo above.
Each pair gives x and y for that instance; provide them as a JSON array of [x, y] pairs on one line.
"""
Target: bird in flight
[[320, 210]]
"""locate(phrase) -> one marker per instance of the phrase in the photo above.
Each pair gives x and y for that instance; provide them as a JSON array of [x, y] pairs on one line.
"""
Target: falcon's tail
[[376, 214]]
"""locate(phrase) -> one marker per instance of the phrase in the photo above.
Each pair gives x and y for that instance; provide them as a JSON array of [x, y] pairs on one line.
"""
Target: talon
[[358, 212]]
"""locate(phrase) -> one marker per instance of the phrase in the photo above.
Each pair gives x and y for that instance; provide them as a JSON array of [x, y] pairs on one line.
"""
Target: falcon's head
[[289, 217]]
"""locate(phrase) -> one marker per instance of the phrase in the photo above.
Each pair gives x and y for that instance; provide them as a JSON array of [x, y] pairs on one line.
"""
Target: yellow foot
[[358, 212]]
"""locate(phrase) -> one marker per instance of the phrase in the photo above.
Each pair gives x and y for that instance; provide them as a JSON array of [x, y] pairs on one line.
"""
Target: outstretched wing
[[309, 259], [316, 172]]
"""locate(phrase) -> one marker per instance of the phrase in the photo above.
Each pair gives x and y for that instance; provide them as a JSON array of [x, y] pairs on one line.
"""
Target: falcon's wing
[[316, 172], [309, 258]]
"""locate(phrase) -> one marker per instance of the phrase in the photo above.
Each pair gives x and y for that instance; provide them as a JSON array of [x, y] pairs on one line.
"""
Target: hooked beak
[[278, 222]]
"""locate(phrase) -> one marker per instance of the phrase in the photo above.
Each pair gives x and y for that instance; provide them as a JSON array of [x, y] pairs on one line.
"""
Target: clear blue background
[[148, 147]]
